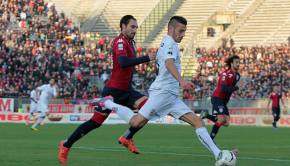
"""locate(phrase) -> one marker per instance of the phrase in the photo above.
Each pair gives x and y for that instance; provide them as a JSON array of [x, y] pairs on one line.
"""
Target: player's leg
[[205, 114], [276, 116], [40, 117], [181, 111], [96, 121], [136, 123], [137, 104], [136, 100], [152, 106], [220, 110], [99, 116], [43, 109], [30, 115], [116, 103]]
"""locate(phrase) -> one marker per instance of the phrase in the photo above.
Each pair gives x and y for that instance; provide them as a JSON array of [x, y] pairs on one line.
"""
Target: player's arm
[[121, 48], [226, 84], [38, 91], [229, 88], [55, 92], [33, 97], [283, 103], [269, 101], [174, 72], [125, 61]]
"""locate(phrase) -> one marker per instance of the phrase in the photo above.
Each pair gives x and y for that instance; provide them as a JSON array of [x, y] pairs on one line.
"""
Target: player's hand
[[186, 84], [285, 111], [152, 56]]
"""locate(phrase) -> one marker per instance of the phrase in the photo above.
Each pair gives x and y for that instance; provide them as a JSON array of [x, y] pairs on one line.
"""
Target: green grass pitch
[[160, 145]]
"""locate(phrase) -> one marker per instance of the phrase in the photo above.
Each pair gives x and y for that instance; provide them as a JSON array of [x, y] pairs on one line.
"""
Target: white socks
[[123, 112], [38, 121], [29, 117], [206, 140]]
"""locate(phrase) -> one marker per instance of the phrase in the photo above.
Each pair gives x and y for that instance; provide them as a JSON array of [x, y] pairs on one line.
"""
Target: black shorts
[[219, 107], [126, 98], [276, 110]]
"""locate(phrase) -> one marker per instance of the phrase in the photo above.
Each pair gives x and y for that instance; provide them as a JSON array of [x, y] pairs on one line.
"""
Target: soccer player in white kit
[[33, 106], [46, 91], [164, 91]]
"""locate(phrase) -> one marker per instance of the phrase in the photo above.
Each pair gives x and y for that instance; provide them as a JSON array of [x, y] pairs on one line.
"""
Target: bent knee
[[226, 124], [137, 121], [192, 119]]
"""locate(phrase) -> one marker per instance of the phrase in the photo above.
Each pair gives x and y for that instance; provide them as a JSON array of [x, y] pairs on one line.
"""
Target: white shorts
[[41, 107], [33, 107], [161, 104]]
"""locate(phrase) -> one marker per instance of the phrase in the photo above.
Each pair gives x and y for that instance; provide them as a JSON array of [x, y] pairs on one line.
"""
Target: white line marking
[[110, 149]]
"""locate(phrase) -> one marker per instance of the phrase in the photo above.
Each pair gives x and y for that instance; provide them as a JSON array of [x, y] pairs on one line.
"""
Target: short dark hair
[[231, 59], [126, 19], [173, 20]]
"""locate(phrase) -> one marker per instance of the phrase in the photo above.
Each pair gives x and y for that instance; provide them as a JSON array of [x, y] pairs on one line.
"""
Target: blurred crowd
[[261, 67], [37, 43]]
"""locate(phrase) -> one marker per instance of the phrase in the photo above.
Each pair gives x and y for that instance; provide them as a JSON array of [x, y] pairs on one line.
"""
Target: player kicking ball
[[164, 93]]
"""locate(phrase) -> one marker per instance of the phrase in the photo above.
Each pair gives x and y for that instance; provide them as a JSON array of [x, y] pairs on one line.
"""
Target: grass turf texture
[[160, 145]]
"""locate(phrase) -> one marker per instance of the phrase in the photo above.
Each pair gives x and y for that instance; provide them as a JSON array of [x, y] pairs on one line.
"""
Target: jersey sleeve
[[41, 88], [54, 92], [271, 96], [167, 49], [32, 94]]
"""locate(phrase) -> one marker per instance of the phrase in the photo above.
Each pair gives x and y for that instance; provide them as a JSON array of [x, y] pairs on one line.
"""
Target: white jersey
[[33, 98], [33, 102], [47, 92], [165, 82]]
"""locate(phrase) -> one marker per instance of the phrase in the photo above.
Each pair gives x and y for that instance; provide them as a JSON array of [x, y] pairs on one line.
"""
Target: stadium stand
[[196, 12], [115, 9], [36, 41], [263, 23], [261, 68]]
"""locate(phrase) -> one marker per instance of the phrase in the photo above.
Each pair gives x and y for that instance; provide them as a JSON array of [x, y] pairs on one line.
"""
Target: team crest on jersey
[[120, 47]]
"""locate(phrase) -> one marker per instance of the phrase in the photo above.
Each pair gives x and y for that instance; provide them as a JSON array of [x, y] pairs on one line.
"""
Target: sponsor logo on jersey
[[120, 46]]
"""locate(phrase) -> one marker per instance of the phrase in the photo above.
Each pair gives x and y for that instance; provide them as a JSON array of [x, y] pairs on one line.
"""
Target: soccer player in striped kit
[[275, 97], [227, 84]]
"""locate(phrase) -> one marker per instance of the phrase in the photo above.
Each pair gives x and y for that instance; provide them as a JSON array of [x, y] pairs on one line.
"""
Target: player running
[[227, 84], [119, 87], [33, 106], [164, 91], [44, 93]]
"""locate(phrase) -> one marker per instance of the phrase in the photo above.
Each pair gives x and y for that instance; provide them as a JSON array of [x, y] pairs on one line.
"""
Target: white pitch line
[[176, 154]]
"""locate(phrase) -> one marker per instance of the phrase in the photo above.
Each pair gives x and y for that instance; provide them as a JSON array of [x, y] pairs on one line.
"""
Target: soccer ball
[[226, 158]]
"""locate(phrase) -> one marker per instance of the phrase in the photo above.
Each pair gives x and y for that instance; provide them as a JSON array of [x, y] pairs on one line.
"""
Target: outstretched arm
[[128, 62]]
